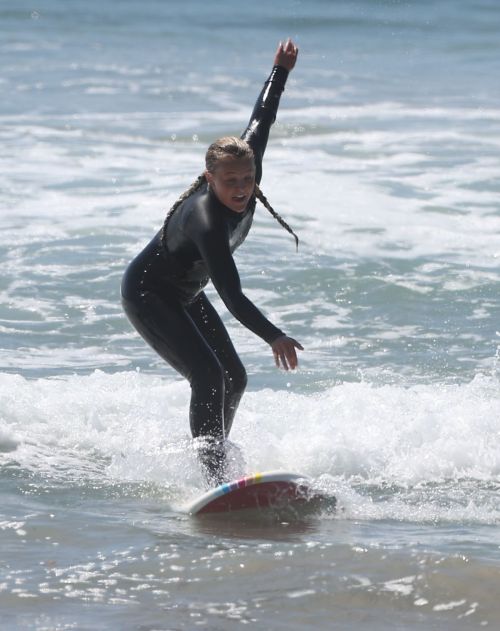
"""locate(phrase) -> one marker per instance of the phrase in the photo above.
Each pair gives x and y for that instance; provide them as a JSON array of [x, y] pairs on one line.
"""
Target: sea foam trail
[[388, 444]]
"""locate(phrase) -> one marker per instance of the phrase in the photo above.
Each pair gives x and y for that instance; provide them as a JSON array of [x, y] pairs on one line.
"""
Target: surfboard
[[260, 491]]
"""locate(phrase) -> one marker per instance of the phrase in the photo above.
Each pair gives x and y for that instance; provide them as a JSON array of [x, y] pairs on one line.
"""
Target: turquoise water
[[385, 160]]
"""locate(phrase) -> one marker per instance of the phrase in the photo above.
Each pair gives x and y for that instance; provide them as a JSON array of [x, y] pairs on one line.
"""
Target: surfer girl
[[162, 289]]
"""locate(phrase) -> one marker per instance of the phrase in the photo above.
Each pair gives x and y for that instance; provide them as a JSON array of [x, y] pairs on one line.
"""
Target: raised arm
[[266, 106]]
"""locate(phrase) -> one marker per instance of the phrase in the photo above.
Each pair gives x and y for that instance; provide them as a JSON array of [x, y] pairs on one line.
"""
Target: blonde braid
[[262, 198], [198, 183]]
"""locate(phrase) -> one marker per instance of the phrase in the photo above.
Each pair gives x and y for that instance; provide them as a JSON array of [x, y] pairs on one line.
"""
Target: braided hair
[[263, 200], [221, 148], [197, 184]]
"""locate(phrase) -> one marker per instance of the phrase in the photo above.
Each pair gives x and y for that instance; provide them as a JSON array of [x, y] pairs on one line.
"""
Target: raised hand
[[286, 55]]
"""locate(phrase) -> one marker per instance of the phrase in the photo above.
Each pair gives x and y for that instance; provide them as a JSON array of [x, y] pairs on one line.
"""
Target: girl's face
[[233, 182]]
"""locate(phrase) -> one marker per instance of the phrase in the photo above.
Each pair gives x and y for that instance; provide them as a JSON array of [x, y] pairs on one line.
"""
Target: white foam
[[358, 215], [436, 444], [421, 190]]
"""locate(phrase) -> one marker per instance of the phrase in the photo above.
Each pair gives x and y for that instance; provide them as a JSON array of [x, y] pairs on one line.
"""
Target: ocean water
[[385, 160]]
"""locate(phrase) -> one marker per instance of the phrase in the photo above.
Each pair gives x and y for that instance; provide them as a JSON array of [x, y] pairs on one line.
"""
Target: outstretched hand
[[284, 352], [286, 55]]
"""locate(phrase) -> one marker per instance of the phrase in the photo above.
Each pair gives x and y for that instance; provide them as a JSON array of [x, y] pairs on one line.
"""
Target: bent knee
[[237, 380], [209, 373]]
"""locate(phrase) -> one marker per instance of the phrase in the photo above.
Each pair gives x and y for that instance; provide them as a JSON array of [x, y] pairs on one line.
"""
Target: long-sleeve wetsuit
[[162, 289]]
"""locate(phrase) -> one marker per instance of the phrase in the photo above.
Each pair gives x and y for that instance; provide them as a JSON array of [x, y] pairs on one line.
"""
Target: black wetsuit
[[162, 289]]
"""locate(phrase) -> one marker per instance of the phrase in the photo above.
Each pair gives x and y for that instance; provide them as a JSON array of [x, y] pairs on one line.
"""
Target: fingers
[[276, 358], [281, 358], [286, 54], [291, 360], [284, 362], [288, 48], [285, 354], [288, 45], [297, 344]]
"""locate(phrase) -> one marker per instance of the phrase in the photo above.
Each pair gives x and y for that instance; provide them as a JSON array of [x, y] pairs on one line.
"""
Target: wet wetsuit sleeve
[[213, 245], [264, 115]]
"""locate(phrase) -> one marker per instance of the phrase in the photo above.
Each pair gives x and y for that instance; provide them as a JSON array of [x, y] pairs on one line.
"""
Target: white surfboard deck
[[260, 491]]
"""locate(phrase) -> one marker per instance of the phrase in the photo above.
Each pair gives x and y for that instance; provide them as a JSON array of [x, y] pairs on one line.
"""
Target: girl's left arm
[[266, 106]]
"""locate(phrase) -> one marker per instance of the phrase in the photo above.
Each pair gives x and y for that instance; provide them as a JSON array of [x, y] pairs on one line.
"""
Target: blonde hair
[[227, 146]]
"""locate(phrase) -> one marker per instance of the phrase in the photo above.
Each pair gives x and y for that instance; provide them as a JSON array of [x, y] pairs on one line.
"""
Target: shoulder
[[202, 215]]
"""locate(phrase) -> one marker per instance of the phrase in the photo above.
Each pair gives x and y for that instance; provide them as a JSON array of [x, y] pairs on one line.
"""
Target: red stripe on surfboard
[[262, 495]]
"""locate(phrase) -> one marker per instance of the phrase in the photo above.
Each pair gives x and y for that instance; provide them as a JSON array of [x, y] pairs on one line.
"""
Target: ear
[[209, 177]]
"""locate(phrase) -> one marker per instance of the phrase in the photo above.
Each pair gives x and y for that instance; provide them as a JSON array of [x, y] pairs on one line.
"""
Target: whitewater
[[384, 159]]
